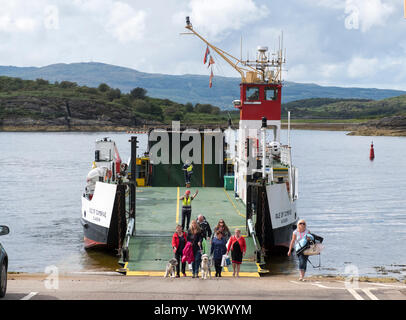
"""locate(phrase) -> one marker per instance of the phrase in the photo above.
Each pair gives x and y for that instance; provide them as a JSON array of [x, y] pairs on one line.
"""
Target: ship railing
[[252, 232], [129, 233], [286, 155]]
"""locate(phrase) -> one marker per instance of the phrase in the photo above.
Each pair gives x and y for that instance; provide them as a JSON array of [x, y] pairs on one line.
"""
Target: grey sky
[[329, 42]]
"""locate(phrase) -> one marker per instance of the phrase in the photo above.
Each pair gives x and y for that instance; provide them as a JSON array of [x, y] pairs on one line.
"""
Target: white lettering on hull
[[99, 210], [282, 210]]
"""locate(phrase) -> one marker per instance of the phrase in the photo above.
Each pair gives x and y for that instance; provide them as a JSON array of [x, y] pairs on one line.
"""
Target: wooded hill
[[38, 103], [325, 108]]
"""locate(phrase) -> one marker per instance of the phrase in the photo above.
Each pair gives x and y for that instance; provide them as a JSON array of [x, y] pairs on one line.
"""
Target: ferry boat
[[108, 202], [265, 179], [245, 176]]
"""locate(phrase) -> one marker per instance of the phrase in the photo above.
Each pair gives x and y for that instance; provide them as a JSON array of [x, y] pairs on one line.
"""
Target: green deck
[[158, 212]]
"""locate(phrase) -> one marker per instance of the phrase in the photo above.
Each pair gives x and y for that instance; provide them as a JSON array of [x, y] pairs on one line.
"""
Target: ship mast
[[262, 70]]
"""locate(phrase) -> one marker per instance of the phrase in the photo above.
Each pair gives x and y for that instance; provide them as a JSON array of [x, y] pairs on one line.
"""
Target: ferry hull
[[103, 217], [282, 237], [95, 236], [276, 216], [282, 212]]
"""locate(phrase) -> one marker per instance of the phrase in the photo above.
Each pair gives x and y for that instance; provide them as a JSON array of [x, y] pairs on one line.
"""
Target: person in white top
[[298, 235]]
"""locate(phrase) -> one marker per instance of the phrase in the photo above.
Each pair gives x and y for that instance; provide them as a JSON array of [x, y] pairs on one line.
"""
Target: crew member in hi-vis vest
[[188, 168], [187, 207]]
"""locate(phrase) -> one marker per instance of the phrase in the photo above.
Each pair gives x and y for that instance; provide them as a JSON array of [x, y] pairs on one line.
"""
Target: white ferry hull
[[97, 216]]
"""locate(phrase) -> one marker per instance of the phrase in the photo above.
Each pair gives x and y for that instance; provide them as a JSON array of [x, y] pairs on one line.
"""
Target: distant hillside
[[323, 108], [181, 89]]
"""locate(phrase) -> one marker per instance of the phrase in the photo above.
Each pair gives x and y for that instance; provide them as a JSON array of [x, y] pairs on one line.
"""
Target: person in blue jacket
[[218, 249]]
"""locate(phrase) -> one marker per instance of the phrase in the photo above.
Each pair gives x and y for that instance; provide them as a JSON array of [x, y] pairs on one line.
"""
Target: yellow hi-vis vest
[[187, 202], [190, 168]]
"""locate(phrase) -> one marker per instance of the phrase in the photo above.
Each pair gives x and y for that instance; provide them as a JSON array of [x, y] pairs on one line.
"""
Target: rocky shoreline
[[77, 125], [30, 125], [389, 126]]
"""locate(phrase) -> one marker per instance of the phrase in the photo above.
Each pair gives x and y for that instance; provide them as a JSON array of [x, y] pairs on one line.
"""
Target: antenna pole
[[288, 128], [241, 49]]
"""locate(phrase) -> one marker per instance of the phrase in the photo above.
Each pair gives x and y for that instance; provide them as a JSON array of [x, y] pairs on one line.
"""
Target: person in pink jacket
[[188, 253], [179, 240]]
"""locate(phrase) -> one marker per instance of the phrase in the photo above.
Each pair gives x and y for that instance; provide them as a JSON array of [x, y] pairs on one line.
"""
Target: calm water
[[358, 206]]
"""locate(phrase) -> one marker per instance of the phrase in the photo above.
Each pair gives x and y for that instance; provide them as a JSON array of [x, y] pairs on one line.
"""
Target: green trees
[[142, 106], [173, 113], [113, 94], [206, 108], [156, 111], [11, 84], [67, 84], [189, 107], [42, 82], [103, 87], [138, 93]]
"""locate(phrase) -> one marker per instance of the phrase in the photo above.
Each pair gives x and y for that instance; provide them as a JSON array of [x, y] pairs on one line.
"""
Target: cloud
[[216, 17], [19, 16], [360, 14], [368, 13], [14, 19], [331, 4], [360, 67], [23, 24], [121, 20], [51, 19], [125, 23], [145, 36]]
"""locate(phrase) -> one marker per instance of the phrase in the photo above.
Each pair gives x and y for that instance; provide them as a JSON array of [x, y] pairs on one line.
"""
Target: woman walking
[[194, 236], [238, 248], [300, 233], [179, 240], [218, 249], [222, 227]]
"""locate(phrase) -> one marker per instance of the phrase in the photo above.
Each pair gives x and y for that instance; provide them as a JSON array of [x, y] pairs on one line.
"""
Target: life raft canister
[[118, 165]]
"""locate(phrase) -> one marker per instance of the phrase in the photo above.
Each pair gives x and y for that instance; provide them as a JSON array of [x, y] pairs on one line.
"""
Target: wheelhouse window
[[271, 94], [252, 94]]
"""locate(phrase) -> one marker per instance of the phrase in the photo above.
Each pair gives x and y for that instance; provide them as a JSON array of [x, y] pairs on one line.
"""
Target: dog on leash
[[205, 266], [171, 268]]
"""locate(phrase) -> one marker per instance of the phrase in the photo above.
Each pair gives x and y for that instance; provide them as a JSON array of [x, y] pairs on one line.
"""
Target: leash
[[308, 259]]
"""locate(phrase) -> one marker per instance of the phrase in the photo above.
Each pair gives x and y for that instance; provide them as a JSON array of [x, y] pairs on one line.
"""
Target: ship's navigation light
[[188, 21], [237, 103]]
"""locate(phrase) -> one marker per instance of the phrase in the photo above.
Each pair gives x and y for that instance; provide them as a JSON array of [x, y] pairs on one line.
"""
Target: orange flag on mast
[[205, 55], [211, 61], [405, 8], [211, 79]]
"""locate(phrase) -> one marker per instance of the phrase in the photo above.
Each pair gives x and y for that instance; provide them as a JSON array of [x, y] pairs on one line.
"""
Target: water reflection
[[281, 265], [100, 260]]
